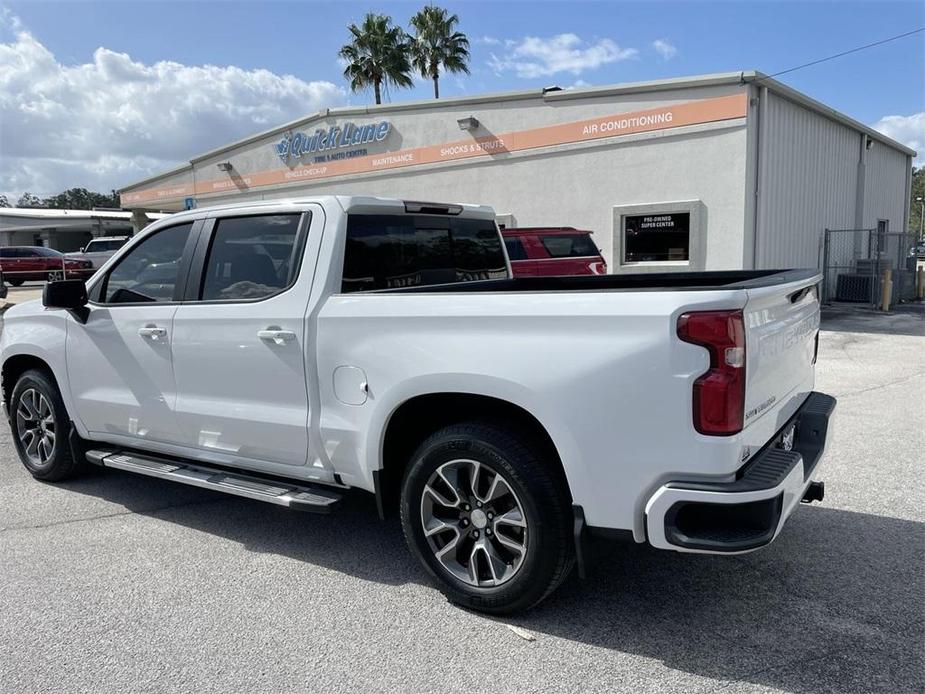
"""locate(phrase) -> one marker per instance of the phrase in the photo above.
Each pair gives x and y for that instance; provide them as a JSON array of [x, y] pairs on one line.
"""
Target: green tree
[[377, 55], [3, 201], [915, 207], [29, 200], [437, 45], [81, 199]]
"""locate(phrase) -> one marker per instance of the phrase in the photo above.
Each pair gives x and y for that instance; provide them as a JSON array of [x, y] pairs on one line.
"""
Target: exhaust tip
[[814, 492]]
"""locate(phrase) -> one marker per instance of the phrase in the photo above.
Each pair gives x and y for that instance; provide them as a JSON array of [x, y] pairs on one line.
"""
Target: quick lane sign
[[295, 145]]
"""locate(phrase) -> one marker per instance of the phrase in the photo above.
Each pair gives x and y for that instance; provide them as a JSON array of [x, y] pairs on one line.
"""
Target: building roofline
[[48, 213], [720, 78], [182, 168], [761, 80]]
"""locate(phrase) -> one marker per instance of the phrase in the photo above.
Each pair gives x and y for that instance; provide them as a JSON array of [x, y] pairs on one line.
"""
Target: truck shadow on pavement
[[835, 604]]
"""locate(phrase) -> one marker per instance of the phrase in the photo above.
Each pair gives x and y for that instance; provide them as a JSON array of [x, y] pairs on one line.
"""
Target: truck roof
[[546, 231], [354, 203]]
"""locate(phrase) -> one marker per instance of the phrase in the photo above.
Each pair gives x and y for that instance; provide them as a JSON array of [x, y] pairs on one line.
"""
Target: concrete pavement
[[115, 583]]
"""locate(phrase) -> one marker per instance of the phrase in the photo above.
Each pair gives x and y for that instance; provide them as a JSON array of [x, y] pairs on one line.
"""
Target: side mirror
[[67, 294], [83, 249]]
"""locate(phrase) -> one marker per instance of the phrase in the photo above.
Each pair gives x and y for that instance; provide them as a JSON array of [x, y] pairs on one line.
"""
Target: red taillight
[[598, 267], [719, 394]]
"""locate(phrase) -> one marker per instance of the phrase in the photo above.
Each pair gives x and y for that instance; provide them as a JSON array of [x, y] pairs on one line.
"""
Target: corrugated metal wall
[[808, 182], [885, 187]]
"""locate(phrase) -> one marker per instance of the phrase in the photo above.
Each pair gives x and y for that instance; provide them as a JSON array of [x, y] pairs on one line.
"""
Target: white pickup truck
[[288, 351]]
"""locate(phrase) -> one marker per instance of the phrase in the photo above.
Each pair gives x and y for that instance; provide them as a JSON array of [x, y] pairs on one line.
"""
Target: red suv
[[22, 263], [544, 251]]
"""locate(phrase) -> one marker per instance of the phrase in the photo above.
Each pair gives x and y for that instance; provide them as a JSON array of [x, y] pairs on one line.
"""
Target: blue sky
[[253, 46]]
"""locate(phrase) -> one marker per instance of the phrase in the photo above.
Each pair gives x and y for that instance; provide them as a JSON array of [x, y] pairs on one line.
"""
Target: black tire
[[17, 282], [541, 492], [60, 464]]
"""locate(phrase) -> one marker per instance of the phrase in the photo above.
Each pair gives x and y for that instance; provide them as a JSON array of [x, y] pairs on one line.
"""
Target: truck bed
[[652, 281]]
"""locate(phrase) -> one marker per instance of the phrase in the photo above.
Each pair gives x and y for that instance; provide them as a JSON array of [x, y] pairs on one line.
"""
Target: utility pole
[[921, 201]]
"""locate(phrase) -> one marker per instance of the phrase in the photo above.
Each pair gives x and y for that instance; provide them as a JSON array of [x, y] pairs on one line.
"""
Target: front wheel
[[41, 427], [55, 275], [488, 517]]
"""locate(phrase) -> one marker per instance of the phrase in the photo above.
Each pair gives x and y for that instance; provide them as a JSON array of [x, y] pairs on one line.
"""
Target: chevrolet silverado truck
[[290, 351]]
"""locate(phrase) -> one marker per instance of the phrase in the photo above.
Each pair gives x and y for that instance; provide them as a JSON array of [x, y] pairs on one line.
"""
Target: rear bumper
[[749, 512]]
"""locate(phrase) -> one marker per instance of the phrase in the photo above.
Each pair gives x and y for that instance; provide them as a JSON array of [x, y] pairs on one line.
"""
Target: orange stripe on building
[[662, 118]]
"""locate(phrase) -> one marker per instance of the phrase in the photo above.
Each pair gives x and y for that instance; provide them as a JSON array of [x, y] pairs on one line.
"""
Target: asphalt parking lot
[[117, 583]]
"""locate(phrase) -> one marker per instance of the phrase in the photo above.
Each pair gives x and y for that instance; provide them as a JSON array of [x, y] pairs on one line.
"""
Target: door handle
[[153, 332], [280, 337]]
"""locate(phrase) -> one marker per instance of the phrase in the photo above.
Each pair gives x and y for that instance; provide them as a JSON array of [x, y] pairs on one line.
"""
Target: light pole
[[921, 201]]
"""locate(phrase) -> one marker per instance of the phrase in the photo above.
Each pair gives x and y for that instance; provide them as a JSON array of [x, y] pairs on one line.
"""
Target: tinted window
[[251, 257], [388, 251], [656, 237], [47, 252], [569, 245], [515, 248], [97, 246], [149, 271], [6, 252]]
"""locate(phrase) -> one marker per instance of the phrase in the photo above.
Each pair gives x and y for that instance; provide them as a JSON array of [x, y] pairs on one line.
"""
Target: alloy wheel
[[474, 523], [35, 426]]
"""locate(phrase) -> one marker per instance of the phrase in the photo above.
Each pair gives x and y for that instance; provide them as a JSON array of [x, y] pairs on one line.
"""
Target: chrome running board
[[300, 496]]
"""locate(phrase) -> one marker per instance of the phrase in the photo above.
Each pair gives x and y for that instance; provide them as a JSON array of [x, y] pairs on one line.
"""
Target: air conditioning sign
[[333, 143]]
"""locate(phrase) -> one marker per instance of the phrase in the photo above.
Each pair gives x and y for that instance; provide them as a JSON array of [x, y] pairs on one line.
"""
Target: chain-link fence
[[855, 262]]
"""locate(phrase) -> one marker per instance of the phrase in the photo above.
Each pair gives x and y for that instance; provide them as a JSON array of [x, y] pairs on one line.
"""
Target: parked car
[[391, 351], [28, 263], [545, 251], [100, 249]]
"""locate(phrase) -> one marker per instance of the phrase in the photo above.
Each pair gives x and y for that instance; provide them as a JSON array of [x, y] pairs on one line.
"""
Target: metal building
[[722, 171]]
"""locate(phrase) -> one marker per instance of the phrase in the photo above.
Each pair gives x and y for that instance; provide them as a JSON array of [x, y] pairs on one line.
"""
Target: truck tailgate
[[781, 328]]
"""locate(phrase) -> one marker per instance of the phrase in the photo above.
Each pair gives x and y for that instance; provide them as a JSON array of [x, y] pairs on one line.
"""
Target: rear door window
[[569, 246], [391, 251], [251, 257], [515, 248]]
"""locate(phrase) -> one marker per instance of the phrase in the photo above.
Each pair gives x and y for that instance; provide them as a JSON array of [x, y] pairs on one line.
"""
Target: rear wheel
[[41, 428], [55, 275], [487, 517]]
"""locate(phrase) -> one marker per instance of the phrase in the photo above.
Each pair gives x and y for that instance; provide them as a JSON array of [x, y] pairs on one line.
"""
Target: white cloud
[[533, 56], [665, 49], [910, 130], [487, 40], [106, 123]]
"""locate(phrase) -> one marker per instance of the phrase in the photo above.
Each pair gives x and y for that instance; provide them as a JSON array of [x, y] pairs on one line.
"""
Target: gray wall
[[885, 187], [816, 173]]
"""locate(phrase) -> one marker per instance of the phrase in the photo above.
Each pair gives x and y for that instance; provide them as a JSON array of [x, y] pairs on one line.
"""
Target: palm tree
[[376, 55], [436, 44]]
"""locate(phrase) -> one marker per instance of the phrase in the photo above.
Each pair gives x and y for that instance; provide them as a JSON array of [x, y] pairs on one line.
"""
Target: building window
[[656, 237]]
